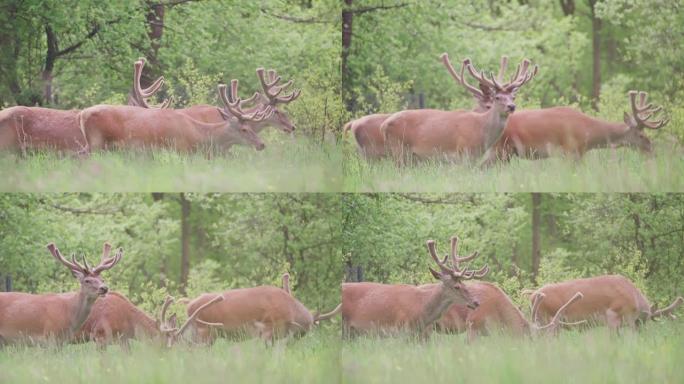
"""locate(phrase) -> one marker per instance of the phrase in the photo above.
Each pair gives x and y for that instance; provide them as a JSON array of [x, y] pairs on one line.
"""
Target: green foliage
[[582, 235]]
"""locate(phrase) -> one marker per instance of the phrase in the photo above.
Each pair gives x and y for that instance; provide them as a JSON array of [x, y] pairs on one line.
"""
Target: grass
[[598, 171], [311, 359], [652, 355], [286, 165]]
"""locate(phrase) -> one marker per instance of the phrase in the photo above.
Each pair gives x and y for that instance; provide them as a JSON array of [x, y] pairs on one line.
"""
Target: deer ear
[[628, 120], [78, 274], [435, 274]]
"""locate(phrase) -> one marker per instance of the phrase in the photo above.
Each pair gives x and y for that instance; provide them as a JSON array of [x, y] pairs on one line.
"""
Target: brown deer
[[429, 133], [366, 129], [267, 312], [610, 299], [383, 308], [107, 126], [41, 317], [271, 97], [538, 133], [114, 318], [35, 128]]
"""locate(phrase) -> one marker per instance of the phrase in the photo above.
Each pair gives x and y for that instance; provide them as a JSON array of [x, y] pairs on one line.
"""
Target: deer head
[[139, 95], [232, 112], [169, 328], [272, 97], [452, 277], [642, 112], [92, 284], [492, 92]]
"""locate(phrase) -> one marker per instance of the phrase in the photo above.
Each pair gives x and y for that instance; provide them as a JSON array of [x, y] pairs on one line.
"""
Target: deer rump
[[40, 128], [264, 311]]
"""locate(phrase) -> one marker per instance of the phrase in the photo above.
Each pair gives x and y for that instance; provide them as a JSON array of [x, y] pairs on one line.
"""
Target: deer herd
[[493, 130], [142, 125], [455, 304]]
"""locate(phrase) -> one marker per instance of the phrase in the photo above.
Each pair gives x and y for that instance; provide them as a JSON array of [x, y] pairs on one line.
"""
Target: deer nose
[[511, 108], [103, 290], [260, 147], [474, 304], [293, 127]]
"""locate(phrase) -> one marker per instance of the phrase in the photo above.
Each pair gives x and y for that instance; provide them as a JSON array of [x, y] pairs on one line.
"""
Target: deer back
[[40, 128], [38, 316], [601, 293], [114, 315]]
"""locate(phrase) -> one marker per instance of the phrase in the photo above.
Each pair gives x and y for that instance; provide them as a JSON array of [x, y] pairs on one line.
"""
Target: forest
[[178, 244], [527, 239]]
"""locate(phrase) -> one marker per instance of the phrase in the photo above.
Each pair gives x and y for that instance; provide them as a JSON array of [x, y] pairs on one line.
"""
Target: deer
[[366, 129], [388, 308], [270, 97], [496, 311], [108, 126], [429, 133], [612, 300], [114, 318], [537, 133], [36, 128], [55, 316], [265, 311]]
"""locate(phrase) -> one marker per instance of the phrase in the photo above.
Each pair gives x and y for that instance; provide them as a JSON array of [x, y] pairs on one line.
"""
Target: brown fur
[[24, 128], [609, 299], [115, 318], [107, 126], [369, 138], [210, 114], [265, 311]]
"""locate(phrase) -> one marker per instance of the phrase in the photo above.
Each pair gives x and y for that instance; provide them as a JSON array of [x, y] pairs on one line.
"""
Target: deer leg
[[613, 319]]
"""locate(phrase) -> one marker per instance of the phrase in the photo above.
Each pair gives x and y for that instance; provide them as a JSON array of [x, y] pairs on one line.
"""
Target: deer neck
[[80, 313], [494, 125], [437, 302], [603, 134]]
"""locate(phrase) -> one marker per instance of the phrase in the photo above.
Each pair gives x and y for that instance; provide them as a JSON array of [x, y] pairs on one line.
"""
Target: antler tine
[[482, 272], [273, 76], [141, 94], [106, 250], [289, 98], [109, 262], [523, 75], [536, 302], [58, 255], [162, 315], [329, 315], [286, 283], [461, 79], [643, 112], [556, 318], [480, 76], [454, 250], [502, 68], [433, 253], [85, 263], [667, 311], [197, 311]]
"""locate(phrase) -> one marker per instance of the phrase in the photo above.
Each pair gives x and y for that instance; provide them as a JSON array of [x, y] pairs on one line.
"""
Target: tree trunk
[[347, 19], [50, 58], [568, 7], [596, 53], [536, 235], [185, 242]]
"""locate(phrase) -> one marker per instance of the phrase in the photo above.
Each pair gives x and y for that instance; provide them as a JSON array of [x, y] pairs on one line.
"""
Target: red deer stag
[[374, 307], [114, 318], [366, 130], [25, 128], [271, 97], [427, 133], [107, 126], [610, 299], [538, 133], [495, 312], [265, 311], [57, 316]]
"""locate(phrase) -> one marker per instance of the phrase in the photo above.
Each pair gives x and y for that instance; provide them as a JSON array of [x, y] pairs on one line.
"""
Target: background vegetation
[[527, 239], [590, 53], [182, 244]]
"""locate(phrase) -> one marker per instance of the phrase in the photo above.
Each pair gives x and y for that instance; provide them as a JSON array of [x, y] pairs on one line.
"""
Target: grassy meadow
[[607, 170], [285, 165], [652, 355], [311, 359]]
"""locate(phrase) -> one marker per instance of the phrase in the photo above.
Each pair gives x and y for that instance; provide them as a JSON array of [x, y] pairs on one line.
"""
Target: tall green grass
[[311, 359], [606, 170], [286, 165], [652, 355]]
